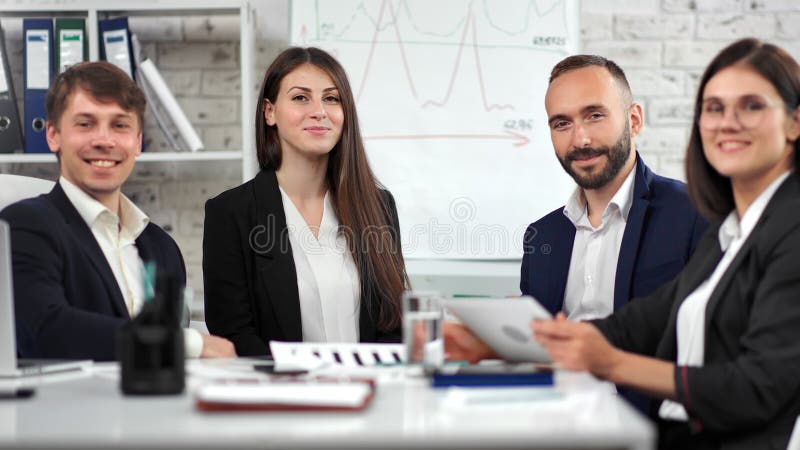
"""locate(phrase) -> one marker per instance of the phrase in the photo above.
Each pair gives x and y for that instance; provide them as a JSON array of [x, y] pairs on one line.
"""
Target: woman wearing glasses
[[720, 344]]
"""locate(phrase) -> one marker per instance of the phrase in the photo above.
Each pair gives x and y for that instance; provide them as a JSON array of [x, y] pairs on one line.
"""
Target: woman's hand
[[581, 346], [576, 346], [460, 344]]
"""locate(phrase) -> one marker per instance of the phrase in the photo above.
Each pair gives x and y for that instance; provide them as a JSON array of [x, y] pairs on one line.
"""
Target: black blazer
[[67, 301], [249, 276], [747, 393]]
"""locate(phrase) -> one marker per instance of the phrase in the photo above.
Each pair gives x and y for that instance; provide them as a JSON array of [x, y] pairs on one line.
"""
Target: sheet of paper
[[312, 355]]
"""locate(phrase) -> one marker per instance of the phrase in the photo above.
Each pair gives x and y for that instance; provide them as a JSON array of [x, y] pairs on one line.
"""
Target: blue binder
[[115, 44], [38, 60], [493, 376]]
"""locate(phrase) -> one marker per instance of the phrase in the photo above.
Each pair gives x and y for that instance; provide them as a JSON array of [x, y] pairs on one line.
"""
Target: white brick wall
[[653, 27], [735, 26], [663, 45], [186, 55], [664, 49], [671, 6]]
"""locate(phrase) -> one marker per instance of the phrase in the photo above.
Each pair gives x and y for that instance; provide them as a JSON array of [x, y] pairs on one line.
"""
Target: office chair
[[14, 188]]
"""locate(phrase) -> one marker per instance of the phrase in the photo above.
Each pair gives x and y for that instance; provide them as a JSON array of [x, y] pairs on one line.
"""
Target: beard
[[617, 155]]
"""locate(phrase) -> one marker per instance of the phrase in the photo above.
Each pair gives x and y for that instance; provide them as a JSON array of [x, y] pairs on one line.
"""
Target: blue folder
[[493, 376], [115, 44], [38, 61]]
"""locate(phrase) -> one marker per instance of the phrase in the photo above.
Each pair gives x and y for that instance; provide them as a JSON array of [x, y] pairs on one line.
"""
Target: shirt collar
[[576, 207], [733, 228], [132, 219], [623, 199], [329, 224]]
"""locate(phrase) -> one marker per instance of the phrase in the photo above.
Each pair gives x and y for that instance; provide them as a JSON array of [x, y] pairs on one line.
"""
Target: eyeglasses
[[748, 110]]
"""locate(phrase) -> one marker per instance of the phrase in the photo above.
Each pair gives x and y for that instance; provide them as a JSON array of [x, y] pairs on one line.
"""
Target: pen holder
[[150, 347]]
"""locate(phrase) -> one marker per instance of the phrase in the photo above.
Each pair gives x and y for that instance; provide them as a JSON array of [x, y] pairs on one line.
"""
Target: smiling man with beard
[[624, 231]]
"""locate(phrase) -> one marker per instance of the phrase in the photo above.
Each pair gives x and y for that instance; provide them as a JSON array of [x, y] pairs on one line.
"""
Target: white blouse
[[327, 279], [692, 313]]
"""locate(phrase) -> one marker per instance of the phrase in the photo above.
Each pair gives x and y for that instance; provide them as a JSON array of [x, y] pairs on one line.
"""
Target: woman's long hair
[[365, 216], [710, 191]]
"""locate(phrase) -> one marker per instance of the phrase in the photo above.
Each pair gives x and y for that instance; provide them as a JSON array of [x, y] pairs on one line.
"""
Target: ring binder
[[10, 129], [115, 44], [38, 57], [71, 45]]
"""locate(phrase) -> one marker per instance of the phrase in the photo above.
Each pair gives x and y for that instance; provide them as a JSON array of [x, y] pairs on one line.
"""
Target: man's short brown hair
[[575, 62], [104, 81]]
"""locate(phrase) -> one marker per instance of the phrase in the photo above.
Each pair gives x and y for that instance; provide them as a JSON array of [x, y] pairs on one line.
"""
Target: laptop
[[10, 366]]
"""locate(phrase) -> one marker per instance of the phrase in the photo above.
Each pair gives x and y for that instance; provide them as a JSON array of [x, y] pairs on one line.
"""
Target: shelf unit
[[94, 10]]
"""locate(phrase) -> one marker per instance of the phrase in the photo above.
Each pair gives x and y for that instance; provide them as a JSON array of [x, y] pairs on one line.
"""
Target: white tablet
[[503, 324]]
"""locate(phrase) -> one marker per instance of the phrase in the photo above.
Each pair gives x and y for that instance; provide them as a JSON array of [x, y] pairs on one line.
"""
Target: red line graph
[[372, 51], [441, 103]]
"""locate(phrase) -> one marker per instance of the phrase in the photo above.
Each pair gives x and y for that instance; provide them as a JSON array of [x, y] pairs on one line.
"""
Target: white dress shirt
[[327, 279], [692, 313], [116, 236], [593, 268]]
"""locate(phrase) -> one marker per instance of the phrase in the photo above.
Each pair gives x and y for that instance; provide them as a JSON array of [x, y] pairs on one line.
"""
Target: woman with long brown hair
[[309, 250]]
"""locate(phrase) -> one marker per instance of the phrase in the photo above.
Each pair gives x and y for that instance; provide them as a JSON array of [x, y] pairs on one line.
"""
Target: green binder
[[71, 45]]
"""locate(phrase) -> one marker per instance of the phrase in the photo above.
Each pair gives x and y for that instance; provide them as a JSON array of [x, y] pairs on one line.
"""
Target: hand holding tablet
[[504, 325]]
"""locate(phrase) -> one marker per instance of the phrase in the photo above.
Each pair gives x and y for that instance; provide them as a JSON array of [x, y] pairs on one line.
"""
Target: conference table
[[87, 410]]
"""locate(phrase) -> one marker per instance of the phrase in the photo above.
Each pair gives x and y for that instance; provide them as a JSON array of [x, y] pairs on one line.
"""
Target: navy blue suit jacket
[[662, 231], [67, 301]]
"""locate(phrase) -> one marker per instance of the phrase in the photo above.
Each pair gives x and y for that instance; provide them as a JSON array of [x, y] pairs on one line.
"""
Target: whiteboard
[[450, 98]]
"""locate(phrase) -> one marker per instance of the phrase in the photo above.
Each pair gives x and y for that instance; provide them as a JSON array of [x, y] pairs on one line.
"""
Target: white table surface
[[88, 411]]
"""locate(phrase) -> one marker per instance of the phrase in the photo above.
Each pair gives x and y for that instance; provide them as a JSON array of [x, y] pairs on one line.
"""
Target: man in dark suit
[[624, 232], [77, 251]]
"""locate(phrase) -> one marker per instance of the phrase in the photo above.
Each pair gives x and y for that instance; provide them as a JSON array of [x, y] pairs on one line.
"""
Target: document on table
[[320, 395], [313, 355]]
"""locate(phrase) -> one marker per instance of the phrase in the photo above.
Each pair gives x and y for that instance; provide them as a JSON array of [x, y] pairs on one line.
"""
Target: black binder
[[10, 124]]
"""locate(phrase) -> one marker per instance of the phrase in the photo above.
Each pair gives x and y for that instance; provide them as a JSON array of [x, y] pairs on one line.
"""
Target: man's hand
[[217, 347], [460, 344]]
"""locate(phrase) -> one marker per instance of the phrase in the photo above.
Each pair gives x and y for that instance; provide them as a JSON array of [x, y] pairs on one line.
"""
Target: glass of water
[[422, 329]]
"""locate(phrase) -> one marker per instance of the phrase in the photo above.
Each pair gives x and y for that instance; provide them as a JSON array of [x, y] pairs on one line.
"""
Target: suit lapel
[[89, 246], [275, 262], [787, 190], [145, 248], [631, 238], [699, 267], [561, 255]]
